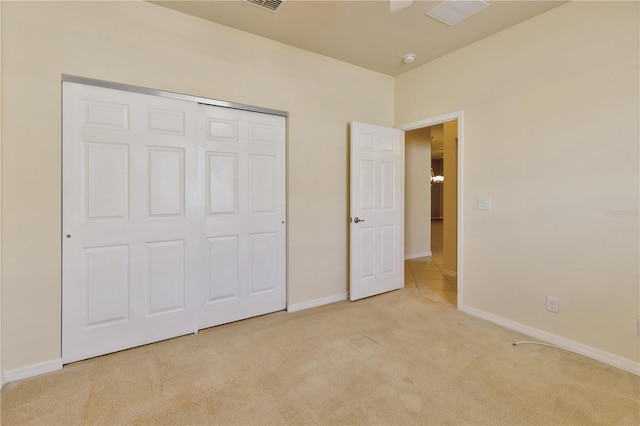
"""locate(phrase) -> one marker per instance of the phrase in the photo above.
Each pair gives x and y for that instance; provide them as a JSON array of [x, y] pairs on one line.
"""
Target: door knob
[[356, 220]]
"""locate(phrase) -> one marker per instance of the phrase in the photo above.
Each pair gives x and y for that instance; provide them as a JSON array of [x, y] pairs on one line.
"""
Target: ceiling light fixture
[[409, 58], [436, 179]]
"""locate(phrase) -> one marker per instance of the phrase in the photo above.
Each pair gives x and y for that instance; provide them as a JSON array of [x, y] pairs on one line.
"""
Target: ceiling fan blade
[[396, 5]]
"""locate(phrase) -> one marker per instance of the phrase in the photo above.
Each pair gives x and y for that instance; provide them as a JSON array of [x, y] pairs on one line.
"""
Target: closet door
[[131, 225], [242, 161], [173, 218]]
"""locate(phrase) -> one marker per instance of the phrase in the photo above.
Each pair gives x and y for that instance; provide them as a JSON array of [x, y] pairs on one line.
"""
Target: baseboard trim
[[570, 345], [449, 273], [317, 302], [417, 255], [32, 370]]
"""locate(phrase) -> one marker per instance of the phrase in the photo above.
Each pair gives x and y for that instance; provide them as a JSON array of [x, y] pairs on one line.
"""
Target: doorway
[[434, 232]]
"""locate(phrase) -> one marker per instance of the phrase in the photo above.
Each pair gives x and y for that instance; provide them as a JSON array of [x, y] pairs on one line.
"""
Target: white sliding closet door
[[243, 160], [130, 224], [173, 218]]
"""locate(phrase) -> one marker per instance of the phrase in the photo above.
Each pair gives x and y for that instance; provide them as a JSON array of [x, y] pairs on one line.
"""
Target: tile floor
[[426, 275]]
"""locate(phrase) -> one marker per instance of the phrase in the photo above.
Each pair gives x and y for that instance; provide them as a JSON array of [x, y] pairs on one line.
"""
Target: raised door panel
[[388, 185], [387, 144], [222, 283], [222, 183], [218, 129], [262, 189], [367, 242], [165, 194], [366, 142], [264, 258], [106, 181], [387, 249], [106, 115], [106, 285], [367, 185], [165, 276], [165, 122], [262, 134]]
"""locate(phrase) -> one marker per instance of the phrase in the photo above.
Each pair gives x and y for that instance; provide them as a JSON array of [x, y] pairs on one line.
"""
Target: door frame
[[432, 121]]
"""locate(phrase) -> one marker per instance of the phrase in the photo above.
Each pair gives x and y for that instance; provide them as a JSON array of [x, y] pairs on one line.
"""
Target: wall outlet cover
[[484, 203]]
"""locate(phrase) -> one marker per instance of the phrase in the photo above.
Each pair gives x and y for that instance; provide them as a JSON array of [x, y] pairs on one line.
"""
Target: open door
[[377, 210]]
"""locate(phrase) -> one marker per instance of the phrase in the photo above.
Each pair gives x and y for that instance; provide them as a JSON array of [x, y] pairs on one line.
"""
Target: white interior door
[[377, 210], [131, 233], [243, 246]]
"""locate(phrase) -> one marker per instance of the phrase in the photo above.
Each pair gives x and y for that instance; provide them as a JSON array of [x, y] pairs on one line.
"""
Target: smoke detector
[[409, 58], [271, 5]]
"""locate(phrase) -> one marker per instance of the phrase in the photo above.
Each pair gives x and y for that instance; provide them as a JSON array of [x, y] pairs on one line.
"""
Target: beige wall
[[450, 199], [147, 45], [551, 111], [417, 193]]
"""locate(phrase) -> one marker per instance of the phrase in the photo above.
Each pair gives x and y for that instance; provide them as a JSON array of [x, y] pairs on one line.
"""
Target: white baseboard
[[32, 370], [417, 255], [317, 302], [570, 345], [449, 273]]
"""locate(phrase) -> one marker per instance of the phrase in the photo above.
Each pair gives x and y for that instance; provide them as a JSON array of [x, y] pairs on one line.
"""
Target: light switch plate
[[484, 203]]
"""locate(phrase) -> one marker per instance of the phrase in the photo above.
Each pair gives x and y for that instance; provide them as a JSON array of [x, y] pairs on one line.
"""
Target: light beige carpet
[[393, 359]]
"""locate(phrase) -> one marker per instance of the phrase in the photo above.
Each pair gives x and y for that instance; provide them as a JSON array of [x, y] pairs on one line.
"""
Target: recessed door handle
[[356, 220]]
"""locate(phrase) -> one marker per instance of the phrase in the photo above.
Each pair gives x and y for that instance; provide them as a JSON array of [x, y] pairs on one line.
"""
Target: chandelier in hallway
[[436, 179]]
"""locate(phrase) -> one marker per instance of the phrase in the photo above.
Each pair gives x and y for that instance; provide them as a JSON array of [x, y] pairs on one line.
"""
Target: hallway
[[425, 273]]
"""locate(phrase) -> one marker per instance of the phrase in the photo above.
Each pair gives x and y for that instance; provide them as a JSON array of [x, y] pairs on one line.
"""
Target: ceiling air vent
[[272, 5], [453, 11]]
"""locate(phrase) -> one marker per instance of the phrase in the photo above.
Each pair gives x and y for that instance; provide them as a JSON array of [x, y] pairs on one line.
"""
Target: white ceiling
[[364, 32]]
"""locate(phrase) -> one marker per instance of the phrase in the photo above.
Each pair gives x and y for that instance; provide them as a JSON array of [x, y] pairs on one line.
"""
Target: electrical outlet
[[552, 304]]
